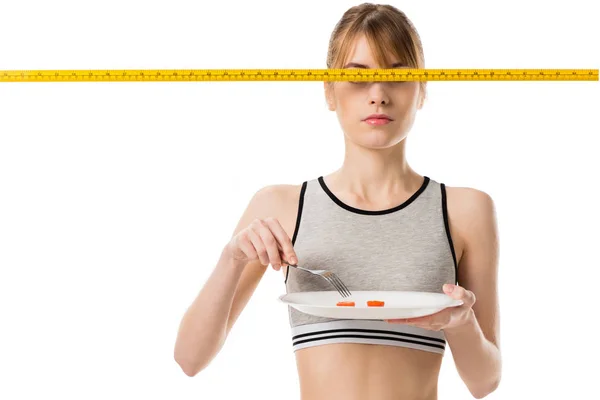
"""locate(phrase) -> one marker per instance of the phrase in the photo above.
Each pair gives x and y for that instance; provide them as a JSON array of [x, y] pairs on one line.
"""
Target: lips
[[378, 116], [378, 119]]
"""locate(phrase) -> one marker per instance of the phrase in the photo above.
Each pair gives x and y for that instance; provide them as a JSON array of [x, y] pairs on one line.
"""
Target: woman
[[379, 225]]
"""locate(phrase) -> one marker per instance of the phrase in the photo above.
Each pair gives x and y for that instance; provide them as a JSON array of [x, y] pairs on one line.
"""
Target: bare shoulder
[[471, 213], [468, 204], [278, 194], [279, 201]]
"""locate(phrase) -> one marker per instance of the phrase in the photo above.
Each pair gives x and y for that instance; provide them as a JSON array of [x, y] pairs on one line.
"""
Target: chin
[[379, 138], [376, 141]]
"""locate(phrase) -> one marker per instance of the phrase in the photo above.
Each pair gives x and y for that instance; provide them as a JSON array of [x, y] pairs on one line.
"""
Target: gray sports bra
[[407, 247]]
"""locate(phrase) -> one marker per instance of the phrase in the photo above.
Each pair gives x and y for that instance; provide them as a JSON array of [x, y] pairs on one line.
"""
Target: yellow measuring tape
[[354, 74]]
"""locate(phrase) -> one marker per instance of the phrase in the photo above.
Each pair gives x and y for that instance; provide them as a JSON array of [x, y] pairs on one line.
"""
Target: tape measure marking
[[354, 74]]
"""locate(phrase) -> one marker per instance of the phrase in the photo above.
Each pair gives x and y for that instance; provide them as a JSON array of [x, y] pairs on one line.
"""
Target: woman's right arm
[[258, 240]]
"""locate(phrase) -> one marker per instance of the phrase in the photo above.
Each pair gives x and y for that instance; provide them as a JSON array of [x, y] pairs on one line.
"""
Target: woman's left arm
[[475, 343], [472, 330]]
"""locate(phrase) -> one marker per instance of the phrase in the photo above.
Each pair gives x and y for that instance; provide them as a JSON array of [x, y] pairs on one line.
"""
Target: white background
[[117, 198]]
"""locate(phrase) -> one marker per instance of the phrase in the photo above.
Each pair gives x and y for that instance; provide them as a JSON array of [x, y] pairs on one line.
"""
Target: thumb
[[450, 289]]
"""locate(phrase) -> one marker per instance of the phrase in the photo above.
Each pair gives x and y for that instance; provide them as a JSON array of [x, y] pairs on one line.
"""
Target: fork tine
[[327, 276], [337, 283], [346, 288], [346, 291]]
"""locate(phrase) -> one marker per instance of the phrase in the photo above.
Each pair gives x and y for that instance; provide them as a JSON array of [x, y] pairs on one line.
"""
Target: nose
[[377, 95]]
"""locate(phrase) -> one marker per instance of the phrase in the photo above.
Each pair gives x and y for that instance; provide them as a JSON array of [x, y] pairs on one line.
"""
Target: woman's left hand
[[448, 318]]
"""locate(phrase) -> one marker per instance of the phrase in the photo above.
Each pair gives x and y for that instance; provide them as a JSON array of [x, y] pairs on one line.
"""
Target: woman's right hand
[[264, 240]]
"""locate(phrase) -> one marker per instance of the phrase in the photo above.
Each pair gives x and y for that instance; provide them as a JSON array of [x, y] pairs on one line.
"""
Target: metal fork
[[329, 276]]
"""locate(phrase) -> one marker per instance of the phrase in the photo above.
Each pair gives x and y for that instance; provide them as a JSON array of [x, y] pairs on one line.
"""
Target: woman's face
[[354, 102]]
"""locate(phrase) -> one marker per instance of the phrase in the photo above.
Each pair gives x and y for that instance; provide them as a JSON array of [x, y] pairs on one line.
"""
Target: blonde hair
[[387, 30]]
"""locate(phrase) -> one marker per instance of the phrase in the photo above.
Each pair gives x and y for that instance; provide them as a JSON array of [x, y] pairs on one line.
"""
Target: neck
[[376, 174]]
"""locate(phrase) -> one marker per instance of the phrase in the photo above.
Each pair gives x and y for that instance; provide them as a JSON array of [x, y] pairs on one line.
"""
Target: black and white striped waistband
[[369, 332]]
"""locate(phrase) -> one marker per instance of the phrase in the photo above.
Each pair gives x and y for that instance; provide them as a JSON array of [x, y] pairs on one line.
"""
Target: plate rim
[[453, 302]]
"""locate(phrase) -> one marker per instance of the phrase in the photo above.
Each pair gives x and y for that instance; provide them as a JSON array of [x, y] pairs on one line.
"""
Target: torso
[[352, 371]]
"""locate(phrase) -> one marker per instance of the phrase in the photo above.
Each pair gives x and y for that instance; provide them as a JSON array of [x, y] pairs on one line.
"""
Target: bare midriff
[[349, 371]]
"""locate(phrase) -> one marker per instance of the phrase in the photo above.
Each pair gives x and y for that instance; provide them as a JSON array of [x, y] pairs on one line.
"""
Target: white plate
[[398, 304]]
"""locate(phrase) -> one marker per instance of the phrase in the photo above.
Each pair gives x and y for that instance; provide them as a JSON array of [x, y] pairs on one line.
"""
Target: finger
[[422, 322], [429, 327], [258, 244], [416, 324], [472, 298], [418, 320], [429, 316], [394, 321], [283, 239], [429, 319], [271, 245], [408, 320], [467, 297], [246, 246]]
